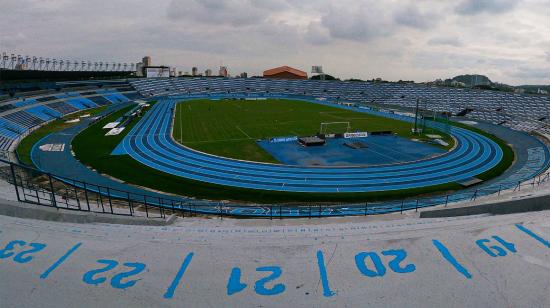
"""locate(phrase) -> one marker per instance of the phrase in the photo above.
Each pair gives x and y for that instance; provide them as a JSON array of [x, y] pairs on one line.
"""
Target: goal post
[[334, 128]]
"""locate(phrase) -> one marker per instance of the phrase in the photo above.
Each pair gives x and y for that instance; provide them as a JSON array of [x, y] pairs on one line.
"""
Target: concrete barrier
[[527, 204], [22, 210]]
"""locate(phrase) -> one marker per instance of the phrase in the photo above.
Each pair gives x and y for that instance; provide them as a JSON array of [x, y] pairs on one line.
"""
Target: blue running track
[[150, 142]]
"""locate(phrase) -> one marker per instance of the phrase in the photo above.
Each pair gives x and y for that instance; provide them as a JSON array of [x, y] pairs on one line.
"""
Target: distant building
[[223, 71], [244, 75], [194, 71], [139, 69], [541, 91], [285, 72], [146, 61], [208, 73]]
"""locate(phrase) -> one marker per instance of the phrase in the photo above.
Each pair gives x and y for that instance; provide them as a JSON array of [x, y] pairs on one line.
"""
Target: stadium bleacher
[[25, 110], [518, 111]]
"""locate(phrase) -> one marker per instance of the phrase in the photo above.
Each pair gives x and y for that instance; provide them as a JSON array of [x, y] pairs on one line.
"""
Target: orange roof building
[[285, 72]]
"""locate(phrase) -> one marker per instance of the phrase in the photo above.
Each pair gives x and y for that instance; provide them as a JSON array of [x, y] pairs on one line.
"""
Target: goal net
[[334, 128]]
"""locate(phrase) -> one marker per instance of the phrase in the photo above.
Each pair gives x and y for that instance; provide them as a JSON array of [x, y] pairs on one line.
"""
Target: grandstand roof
[[285, 69]]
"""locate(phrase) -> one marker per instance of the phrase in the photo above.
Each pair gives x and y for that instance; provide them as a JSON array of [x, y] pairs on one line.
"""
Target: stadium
[[135, 184]]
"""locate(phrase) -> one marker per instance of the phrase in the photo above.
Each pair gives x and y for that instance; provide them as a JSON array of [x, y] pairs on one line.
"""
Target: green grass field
[[230, 128], [25, 146], [92, 148]]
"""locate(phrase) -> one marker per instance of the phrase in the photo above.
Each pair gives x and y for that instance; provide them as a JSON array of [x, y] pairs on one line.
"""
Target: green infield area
[[25, 146], [230, 128]]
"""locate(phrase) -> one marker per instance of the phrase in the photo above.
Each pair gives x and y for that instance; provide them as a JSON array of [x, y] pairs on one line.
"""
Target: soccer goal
[[334, 128]]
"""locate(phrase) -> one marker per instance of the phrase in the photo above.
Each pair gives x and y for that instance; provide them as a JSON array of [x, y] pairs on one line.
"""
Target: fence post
[[402, 201], [54, 202], [280, 212], [271, 212], [320, 209], [86, 196], [499, 189], [519, 185], [15, 181], [446, 200], [145, 203], [309, 211], [129, 203], [76, 195], [110, 202], [366, 207]]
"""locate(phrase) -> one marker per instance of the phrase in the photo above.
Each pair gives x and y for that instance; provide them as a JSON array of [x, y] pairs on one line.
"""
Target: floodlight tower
[[41, 63], [13, 60], [82, 65], [100, 65], [118, 66], [34, 61], [48, 64], [20, 60], [4, 59], [54, 63], [28, 61], [318, 69]]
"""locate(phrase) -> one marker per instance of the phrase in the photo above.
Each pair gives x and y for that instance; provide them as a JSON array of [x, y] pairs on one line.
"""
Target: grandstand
[[518, 111], [27, 110]]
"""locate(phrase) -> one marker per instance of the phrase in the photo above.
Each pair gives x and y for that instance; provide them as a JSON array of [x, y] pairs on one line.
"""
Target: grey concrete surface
[[504, 262], [32, 211], [528, 204]]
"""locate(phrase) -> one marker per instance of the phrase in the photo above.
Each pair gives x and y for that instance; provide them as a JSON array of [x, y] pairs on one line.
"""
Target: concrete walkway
[[392, 260]]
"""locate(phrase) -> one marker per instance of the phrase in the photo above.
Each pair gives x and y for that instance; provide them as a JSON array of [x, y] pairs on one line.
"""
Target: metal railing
[[37, 187]]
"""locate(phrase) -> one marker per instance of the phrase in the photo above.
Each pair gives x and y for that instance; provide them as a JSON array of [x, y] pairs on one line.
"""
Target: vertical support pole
[[86, 196], [446, 200], [416, 207], [54, 202], [145, 203], [402, 203], [110, 202], [15, 182], [271, 212], [366, 207], [129, 203]]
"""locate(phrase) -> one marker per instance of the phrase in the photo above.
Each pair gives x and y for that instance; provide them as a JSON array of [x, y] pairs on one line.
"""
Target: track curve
[[150, 142]]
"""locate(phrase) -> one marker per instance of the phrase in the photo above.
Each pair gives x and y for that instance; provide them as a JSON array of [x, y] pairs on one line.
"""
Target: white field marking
[[242, 131], [181, 125], [221, 140]]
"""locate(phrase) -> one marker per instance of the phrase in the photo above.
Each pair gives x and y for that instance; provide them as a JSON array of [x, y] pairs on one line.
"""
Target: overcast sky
[[508, 40]]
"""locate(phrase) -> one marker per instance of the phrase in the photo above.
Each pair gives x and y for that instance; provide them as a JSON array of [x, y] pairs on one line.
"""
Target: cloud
[[445, 41], [411, 16], [317, 34], [220, 12], [474, 7], [362, 22], [395, 39]]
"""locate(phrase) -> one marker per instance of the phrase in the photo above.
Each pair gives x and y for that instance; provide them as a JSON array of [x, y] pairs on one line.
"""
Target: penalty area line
[[242, 131]]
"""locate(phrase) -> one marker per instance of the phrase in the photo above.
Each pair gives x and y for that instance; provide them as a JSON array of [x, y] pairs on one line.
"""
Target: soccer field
[[230, 128]]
